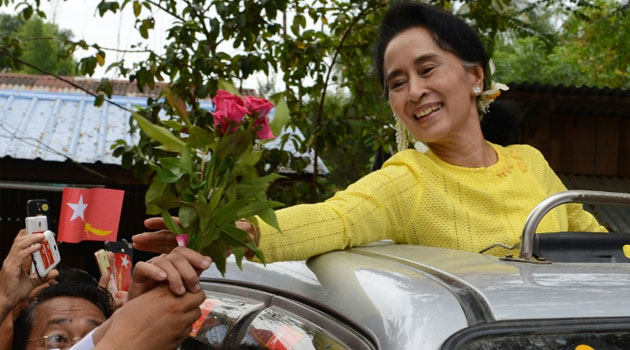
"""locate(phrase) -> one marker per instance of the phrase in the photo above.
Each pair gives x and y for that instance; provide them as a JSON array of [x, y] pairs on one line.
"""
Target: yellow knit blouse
[[416, 198]]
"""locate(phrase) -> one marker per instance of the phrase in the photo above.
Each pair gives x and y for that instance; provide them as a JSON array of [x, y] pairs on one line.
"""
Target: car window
[[549, 334]]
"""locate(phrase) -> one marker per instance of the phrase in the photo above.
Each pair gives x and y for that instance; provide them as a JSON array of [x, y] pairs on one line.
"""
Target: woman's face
[[429, 88]]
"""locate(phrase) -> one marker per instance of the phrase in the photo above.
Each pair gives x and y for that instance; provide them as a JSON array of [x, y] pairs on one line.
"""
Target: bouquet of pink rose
[[211, 179]]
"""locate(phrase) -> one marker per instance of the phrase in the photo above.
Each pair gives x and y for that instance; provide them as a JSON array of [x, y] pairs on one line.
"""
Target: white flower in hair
[[489, 95]]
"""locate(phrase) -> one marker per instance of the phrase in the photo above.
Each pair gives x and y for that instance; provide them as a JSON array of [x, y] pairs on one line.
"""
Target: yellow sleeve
[[579, 220], [367, 211]]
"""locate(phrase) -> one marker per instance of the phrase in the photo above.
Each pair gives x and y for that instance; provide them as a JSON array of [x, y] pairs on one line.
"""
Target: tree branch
[[330, 69], [166, 10]]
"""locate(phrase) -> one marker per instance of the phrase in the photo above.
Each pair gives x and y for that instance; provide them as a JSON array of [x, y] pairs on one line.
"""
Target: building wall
[[589, 145]]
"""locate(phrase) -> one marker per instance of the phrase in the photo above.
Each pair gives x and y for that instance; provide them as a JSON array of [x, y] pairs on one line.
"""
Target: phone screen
[[123, 254]]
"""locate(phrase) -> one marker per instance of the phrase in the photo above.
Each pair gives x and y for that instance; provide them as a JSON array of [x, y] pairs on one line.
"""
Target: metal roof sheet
[[16, 81], [614, 217], [55, 126], [13, 81]]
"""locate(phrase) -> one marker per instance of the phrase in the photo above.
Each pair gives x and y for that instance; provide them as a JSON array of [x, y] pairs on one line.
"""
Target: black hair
[[75, 275], [449, 32], [23, 322]]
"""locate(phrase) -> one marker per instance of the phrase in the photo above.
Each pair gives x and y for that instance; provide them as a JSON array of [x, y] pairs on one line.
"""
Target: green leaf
[[233, 144], [217, 251], [177, 104], [269, 216], [245, 239], [98, 100], [137, 8], [155, 190], [186, 163], [167, 176], [27, 12], [170, 223], [203, 209], [199, 138], [159, 194], [280, 116], [227, 86], [256, 207], [170, 170], [228, 212], [250, 157], [160, 134], [253, 186], [173, 124], [105, 86], [187, 215], [239, 253]]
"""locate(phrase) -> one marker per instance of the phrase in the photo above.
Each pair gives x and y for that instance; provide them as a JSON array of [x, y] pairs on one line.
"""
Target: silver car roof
[[414, 297]]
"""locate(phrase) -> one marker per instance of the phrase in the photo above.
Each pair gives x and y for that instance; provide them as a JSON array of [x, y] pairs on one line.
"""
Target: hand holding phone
[[47, 257], [116, 259], [15, 281]]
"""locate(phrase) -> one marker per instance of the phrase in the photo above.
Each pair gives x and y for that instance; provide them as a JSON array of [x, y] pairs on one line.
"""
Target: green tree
[[321, 47], [9, 25], [591, 49], [42, 45]]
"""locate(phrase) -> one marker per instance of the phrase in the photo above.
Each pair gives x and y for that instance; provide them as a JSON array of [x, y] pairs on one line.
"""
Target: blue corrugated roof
[[55, 126]]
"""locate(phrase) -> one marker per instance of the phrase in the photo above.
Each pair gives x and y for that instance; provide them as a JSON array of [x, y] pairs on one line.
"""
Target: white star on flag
[[124, 261], [78, 209]]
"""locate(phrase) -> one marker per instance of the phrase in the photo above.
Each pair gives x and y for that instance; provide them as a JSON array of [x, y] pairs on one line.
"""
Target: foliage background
[[319, 50]]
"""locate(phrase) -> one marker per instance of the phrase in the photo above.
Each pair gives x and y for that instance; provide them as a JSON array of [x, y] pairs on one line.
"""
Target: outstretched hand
[[16, 282], [163, 240], [160, 241]]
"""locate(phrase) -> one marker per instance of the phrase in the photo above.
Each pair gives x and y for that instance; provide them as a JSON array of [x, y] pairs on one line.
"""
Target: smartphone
[[122, 265], [47, 257], [105, 266], [36, 207]]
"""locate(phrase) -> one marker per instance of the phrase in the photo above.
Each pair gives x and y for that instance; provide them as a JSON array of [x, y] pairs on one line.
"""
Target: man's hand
[[161, 241], [16, 283], [155, 320], [180, 268], [120, 297]]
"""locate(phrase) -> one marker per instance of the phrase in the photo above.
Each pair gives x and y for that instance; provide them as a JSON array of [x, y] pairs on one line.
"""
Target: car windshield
[[553, 334]]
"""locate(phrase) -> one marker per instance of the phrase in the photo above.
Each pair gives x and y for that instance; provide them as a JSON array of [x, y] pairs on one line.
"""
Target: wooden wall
[[587, 145]]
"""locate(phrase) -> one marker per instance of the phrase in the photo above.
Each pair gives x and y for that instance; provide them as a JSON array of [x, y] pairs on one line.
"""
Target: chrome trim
[[573, 196]]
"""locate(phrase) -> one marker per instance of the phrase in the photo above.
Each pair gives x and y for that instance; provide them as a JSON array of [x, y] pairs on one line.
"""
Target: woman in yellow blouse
[[463, 193]]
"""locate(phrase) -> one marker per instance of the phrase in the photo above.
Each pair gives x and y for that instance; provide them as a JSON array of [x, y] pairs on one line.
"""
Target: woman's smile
[[426, 112], [430, 90]]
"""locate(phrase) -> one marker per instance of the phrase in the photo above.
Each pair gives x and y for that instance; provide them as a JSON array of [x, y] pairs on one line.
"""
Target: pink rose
[[182, 240], [229, 112], [263, 130], [258, 107]]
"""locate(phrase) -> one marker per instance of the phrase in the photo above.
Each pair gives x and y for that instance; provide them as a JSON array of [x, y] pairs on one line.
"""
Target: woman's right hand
[[161, 241]]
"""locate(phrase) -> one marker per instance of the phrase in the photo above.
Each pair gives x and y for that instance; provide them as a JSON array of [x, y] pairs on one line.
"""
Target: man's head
[[63, 312]]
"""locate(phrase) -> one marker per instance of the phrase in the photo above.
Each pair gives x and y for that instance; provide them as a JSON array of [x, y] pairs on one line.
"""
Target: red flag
[[89, 214]]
